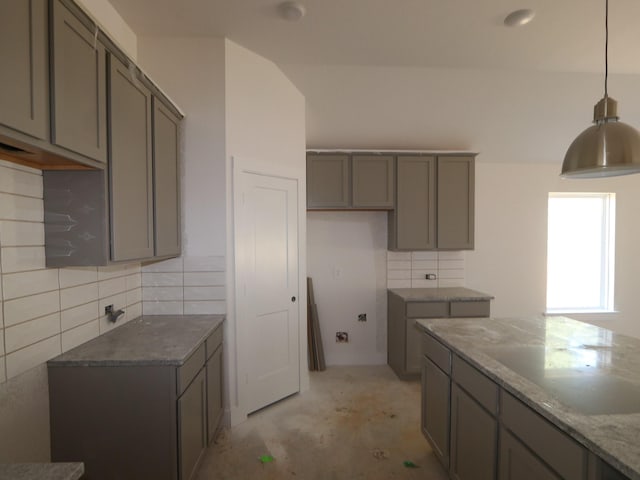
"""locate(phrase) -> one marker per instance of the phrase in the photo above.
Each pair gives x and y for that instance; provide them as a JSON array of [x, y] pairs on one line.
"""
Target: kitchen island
[[540, 397]]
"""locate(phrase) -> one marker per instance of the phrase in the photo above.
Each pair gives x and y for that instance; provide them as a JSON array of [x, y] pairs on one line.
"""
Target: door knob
[[293, 299]]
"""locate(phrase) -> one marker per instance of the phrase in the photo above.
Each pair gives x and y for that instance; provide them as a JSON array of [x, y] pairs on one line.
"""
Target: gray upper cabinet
[[434, 203], [456, 192], [166, 179], [412, 224], [78, 83], [24, 79], [328, 181], [130, 165], [350, 182], [372, 181]]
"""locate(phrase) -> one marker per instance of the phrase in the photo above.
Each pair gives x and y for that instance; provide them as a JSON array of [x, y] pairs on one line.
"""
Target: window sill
[[580, 312]]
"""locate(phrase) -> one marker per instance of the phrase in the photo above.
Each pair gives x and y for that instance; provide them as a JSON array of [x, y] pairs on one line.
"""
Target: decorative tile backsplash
[[47, 311], [186, 285], [410, 269]]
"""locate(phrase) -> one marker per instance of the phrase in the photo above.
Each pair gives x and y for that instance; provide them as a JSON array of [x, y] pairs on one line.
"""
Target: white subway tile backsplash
[[204, 264], [73, 317], [119, 302], [453, 273], [162, 294], [22, 259], [163, 308], [134, 296], [424, 255], [205, 293], [26, 308], [134, 311], [74, 296], [73, 276], [398, 265], [451, 264], [162, 279], [422, 274], [399, 275], [398, 255], [453, 255], [21, 182], [109, 288], [198, 308], [14, 207], [22, 360], [398, 283], [28, 333], [112, 271], [424, 264], [2, 341], [424, 283], [133, 281], [28, 283], [3, 372], [21, 234], [451, 282], [133, 268], [79, 335], [165, 266], [204, 279]]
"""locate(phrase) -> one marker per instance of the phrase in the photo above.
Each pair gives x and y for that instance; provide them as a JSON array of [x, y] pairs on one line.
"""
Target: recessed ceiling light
[[291, 11], [519, 17]]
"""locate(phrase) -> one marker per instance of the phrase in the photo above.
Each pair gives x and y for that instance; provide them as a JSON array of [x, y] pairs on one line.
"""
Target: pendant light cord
[[606, 47]]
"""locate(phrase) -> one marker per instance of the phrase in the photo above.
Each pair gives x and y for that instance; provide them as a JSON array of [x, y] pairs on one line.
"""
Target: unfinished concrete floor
[[353, 423]]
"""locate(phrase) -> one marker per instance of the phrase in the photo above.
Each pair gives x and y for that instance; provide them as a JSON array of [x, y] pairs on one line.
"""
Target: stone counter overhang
[[41, 471], [613, 437], [147, 340], [448, 294]]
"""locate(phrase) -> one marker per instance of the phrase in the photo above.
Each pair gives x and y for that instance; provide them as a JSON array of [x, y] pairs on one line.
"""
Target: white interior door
[[266, 227]]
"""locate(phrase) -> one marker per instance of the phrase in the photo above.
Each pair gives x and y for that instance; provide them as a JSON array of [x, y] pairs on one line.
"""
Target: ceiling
[[566, 35]]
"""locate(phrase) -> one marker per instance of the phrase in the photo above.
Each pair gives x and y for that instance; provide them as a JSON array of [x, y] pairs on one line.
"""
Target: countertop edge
[[42, 471]]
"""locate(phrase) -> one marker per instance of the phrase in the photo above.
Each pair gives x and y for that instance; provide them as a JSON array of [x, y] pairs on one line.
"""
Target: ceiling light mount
[[291, 11], [519, 18], [608, 147]]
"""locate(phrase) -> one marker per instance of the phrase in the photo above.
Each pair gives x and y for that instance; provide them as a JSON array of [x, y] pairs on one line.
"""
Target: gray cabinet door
[[24, 79], [328, 181], [214, 393], [456, 180], [192, 426], [473, 439], [130, 165], [518, 463], [372, 181], [435, 409], [413, 223], [79, 86], [413, 347], [166, 180]]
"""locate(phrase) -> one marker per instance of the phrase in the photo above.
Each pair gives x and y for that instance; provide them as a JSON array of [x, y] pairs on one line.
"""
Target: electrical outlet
[[342, 337], [430, 276], [362, 317]]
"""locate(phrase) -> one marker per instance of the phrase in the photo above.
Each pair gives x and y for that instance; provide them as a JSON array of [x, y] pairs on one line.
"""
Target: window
[[580, 252]]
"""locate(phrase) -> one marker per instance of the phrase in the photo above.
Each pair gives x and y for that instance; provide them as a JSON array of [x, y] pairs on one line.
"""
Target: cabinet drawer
[[558, 450], [470, 309], [427, 309], [213, 341], [190, 368], [437, 353], [478, 385]]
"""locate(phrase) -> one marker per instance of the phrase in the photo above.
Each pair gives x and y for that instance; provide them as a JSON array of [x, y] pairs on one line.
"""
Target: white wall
[[265, 124], [347, 260], [509, 260], [110, 21]]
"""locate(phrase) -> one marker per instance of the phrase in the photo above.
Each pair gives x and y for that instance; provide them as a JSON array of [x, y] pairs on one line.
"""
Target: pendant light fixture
[[609, 147]]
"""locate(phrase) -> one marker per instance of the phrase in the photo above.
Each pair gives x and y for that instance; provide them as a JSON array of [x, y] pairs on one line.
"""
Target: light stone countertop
[[41, 471], [584, 379], [148, 340], [449, 294]]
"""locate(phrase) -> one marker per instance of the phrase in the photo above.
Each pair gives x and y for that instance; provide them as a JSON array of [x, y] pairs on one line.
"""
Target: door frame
[[238, 364]]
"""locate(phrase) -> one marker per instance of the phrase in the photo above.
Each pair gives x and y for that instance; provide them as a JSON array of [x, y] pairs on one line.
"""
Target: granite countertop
[[41, 471], [584, 379], [450, 294], [148, 340]]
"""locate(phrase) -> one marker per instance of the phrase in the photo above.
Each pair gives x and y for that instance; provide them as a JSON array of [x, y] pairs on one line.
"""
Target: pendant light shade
[[609, 147], [605, 149]]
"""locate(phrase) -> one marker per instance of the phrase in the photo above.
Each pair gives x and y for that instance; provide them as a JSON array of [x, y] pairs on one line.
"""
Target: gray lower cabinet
[[404, 348], [79, 83], [24, 79], [517, 462], [435, 206], [350, 181], [435, 412], [137, 422], [130, 165]]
